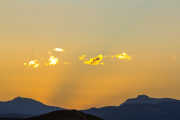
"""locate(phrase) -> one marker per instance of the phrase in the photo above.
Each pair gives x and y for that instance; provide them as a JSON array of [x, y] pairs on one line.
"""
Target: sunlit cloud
[[82, 57], [32, 63], [36, 66], [52, 61], [58, 50], [98, 60], [122, 56]]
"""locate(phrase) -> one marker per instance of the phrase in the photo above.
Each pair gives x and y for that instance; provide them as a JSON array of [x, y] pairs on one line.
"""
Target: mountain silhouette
[[141, 108], [24, 107], [144, 99], [60, 115]]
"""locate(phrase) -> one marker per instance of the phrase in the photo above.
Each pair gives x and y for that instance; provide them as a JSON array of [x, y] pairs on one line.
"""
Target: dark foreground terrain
[[60, 115]]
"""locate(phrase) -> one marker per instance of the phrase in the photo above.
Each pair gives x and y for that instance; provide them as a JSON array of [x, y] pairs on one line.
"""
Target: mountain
[[60, 115], [24, 107], [144, 99], [142, 107]]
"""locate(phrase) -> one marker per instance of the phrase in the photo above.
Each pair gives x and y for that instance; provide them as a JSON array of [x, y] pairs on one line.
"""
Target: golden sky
[[148, 30]]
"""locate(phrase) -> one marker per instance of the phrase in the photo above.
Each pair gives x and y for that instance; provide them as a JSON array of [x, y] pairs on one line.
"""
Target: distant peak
[[24, 100], [18, 98], [21, 99], [143, 97]]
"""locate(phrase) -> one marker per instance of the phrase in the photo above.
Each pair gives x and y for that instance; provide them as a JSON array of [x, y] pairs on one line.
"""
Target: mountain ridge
[[144, 99], [25, 106], [142, 107], [139, 108]]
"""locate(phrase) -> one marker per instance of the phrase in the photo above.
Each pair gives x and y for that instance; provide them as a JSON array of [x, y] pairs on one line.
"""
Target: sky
[[148, 30]]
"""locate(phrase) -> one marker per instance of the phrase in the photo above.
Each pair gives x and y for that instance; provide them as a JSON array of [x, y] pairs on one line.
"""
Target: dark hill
[[65, 115]]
